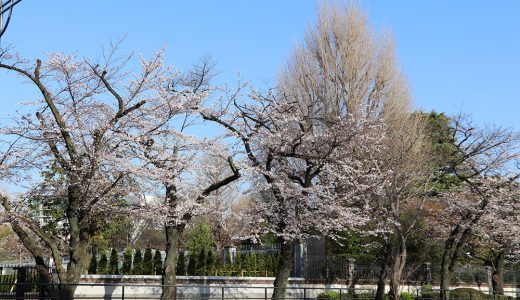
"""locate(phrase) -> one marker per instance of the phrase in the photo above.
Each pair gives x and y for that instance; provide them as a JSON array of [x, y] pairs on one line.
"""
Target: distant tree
[[181, 264], [127, 262], [114, 263], [92, 268], [200, 238], [138, 262], [103, 263], [148, 262], [157, 262]]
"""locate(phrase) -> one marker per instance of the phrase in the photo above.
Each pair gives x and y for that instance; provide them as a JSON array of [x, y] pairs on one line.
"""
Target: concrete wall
[[207, 287]]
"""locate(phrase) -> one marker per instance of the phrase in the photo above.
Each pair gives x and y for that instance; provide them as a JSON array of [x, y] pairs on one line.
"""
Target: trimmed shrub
[[92, 268], [192, 265], [181, 264], [329, 295], [407, 296], [210, 263], [127, 262], [201, 263], [102, 267], [148, 262], [138, 262], [467, 294], [113, 268], [157, 263]]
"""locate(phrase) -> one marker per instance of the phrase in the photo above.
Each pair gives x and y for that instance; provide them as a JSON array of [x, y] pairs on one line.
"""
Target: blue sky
[[458, 55]]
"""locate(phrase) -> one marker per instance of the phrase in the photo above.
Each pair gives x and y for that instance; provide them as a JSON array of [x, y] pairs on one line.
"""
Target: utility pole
[[6, 11]]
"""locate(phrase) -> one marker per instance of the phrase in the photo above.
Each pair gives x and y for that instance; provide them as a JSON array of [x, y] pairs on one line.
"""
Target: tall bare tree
[[345, 70]]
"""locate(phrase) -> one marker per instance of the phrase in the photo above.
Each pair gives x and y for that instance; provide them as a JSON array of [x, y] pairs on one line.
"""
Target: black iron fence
[[128, 291]]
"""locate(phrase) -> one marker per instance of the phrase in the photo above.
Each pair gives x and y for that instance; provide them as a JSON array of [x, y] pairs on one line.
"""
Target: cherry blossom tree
[[173, 162], [478, 155], [80, 127], [493, 232]]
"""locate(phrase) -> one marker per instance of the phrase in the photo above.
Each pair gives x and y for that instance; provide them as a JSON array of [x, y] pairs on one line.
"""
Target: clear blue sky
[[457, 54]]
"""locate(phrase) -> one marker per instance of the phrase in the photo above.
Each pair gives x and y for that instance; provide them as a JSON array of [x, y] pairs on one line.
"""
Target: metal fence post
[[222, 293], [304, 293], [123, 292], [265, 293]]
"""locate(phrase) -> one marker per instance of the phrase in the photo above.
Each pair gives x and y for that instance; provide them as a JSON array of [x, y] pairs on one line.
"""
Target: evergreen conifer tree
[[181, 264], [261, 262], [114, 263], [138, 262], [201, 263], [127, 262], [210, 263], [92, 268], [148, 262], [192, 264], [103, 263], [157, 263], [237, 265]]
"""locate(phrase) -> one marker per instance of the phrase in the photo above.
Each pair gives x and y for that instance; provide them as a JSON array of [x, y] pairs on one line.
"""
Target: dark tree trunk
[[169, 277], [285, 266], [396, 270], [452, 251], [383, 273], [498, 274]]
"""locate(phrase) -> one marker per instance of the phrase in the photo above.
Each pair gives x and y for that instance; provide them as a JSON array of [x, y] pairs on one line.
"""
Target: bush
[[138, 262], [329, 295], [127, 262], [467, 294], [192, 265], [407, 296], [92, 268], [157, 262], [181, 264], [114, 263], [102, 266], [148, 262]]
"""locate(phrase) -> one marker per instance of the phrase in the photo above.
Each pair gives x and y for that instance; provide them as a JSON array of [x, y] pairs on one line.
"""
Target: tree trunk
[[498, 274], [399, 260], [169, 276], [383, 273], [285, 266]]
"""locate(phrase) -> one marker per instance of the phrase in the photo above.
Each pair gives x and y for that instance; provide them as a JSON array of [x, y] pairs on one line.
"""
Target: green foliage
[[469, 294], [127, 262], [237, 264], [148, 262], [200, 238], [201, 263], [329, 295], [138, 262], [407, 296], [210, 263], [102, 267], [157, 263], [93, 266], [181, 264], [445, 154], [192, 264], [114, 263], [354, 245]]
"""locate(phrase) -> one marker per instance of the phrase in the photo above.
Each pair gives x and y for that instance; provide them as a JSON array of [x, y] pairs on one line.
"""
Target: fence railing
[[129, 291]]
